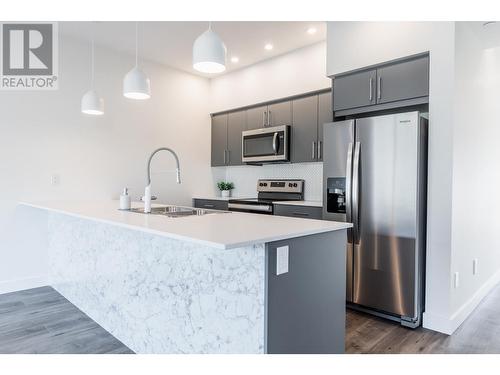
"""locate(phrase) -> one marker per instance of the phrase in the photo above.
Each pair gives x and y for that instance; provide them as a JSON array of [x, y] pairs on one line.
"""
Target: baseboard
[[22, 284], [448, 325]]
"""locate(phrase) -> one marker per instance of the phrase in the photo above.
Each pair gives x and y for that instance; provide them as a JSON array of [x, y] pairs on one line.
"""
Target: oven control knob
[[294, 184], [290, 184]]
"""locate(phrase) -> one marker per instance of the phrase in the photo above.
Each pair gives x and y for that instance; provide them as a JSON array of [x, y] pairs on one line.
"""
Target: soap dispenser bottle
[[125, 200]]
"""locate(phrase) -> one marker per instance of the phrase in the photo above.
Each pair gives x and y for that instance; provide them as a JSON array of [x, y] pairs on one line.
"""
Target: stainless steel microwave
[[266, 145]]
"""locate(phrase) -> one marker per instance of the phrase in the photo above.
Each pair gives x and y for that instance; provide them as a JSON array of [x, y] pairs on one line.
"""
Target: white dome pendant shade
[[209, 53], [92, 103], [136, 85]]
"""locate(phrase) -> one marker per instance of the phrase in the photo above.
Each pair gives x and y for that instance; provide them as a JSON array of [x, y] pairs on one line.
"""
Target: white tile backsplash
[[245, 177]]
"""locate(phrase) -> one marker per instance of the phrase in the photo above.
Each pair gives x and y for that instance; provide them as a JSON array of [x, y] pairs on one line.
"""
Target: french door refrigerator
[[375, 172]]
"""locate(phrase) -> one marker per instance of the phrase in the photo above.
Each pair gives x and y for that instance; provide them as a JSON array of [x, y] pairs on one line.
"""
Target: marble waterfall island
[[218, 283]]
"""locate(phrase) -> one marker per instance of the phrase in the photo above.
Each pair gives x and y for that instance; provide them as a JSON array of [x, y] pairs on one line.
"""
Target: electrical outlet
[[281, 260], [456, 281], [55, 179], [474, 266]]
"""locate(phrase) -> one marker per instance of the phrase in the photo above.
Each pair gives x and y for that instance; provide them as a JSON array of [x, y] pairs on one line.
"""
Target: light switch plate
[[282, 260]]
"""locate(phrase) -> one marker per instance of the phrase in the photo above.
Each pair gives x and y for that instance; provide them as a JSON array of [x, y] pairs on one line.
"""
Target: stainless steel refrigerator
[[375, 177]]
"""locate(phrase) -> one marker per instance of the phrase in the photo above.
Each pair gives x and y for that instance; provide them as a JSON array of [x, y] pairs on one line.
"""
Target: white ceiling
[[170, 43]]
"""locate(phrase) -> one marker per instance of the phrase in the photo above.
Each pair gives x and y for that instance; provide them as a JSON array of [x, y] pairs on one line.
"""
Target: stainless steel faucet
[[147, 192]]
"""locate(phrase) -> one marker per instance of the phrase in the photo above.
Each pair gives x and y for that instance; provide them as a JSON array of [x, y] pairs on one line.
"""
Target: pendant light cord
[[136, 43], [92, 56]]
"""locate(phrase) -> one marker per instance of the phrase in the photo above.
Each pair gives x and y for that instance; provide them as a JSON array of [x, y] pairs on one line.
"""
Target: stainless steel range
[[269, 191]]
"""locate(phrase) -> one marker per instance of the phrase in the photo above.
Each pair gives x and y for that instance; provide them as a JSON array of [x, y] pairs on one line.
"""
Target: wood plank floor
[[40, 320], [480, 333]]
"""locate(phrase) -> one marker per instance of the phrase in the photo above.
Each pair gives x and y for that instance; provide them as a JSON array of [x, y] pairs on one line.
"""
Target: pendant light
[[92, 103], [209, 52], [136, 84]]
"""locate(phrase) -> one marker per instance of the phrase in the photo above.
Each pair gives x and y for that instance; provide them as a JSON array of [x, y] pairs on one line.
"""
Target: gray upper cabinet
[[385, 86], [256, 117], [279, 114], [305, 129], [226, 138], [236, 123], [219, 140], [354, 90], [325, 115], [406, 80], [305, 113]]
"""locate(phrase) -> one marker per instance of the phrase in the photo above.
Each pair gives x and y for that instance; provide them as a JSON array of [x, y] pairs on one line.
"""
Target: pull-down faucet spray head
[[147, 192]]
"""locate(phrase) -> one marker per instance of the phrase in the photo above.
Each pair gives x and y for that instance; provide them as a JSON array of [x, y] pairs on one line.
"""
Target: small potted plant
[[225, 188]]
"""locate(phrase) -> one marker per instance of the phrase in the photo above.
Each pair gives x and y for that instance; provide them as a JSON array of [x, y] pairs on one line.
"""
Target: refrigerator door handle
[[355, 192], [348, 180]]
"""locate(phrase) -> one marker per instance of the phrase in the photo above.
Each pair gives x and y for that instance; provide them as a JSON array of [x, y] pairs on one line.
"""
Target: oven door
[[266, 145]]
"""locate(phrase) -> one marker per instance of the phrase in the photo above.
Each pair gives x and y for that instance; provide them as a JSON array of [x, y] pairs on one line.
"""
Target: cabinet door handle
[[320, 151], [208, 205], [379, 88], [313, 155], [371, 89], [264, 119], [268, 118], [300, 214], [225, 161], [228, 156]]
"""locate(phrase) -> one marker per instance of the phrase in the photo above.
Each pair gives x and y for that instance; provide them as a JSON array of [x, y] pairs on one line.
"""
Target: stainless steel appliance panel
[[266, 145], [338, 138], [384, 209]]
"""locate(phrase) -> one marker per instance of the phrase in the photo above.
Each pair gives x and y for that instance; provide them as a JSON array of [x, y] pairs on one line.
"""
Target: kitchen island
[[218, 283]]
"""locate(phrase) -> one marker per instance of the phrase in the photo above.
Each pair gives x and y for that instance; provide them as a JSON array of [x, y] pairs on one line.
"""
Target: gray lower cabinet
[[305, 212], [306, 305], [211, 204], [219, 140]]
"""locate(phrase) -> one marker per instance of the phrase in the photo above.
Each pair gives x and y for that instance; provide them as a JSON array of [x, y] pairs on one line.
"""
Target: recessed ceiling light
[[311, 30], [235, 59], [268, 47]]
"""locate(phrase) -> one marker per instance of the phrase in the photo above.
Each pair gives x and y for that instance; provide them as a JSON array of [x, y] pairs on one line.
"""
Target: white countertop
[[290, 203], [224, 231]]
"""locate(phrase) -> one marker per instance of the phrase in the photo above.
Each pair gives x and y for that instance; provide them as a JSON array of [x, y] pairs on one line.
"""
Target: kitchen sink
[[177, 211]]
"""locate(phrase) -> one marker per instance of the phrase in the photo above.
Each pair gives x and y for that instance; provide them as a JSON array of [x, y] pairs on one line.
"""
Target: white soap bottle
[[125, 200]]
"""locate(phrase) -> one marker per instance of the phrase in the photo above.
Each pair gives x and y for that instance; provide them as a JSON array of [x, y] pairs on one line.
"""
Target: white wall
[[476, 172], [44, 133], [297, 72], [352, 45], [293, 73]]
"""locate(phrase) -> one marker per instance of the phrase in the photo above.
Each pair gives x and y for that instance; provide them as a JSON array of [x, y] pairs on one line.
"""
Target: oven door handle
[[250, 207], [275, 143]]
